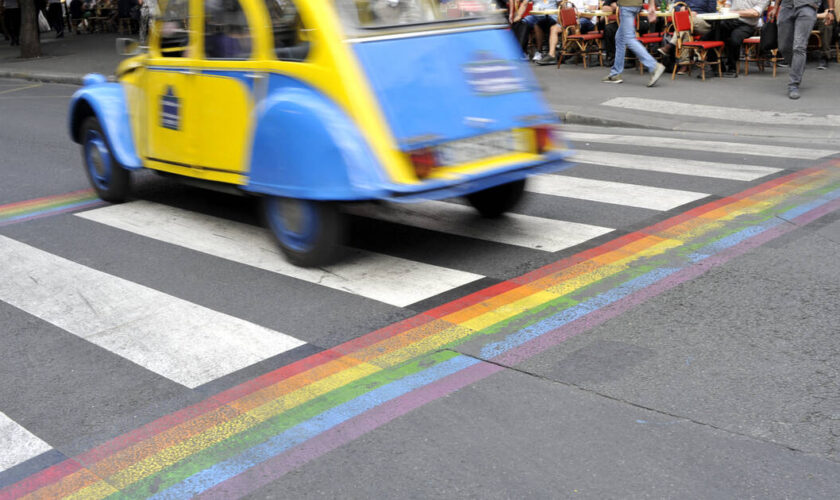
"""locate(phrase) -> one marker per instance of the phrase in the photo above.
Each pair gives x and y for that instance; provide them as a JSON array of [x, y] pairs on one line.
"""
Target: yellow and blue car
[[313, 103]]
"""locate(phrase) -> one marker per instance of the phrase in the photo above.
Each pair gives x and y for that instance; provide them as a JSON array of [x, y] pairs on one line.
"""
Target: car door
[[171, 105], [225, 87]]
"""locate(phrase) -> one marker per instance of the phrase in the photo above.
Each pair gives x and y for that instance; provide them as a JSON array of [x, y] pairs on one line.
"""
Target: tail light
[[543, 138], [423, 160]]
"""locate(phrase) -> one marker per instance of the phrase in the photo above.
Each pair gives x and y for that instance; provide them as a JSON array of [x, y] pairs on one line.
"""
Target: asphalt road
[[724, 384]]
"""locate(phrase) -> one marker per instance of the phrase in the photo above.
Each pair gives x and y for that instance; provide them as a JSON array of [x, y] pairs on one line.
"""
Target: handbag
[[769, 37], [43, 24]]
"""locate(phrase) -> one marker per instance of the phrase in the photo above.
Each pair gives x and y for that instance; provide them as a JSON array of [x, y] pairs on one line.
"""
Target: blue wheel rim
[[98, 159], [295, 222]]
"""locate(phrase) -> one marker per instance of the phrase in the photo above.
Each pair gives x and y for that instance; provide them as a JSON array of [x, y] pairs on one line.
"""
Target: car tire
[[495, 201], [109, 179], [310, 233]]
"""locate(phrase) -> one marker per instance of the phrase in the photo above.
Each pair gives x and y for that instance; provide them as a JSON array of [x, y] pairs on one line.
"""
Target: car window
[[393, 13], [174, 28], [226, 33], [287, 28]]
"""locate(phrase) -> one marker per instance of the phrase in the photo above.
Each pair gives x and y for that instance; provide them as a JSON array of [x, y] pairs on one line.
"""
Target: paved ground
[[723, 385]]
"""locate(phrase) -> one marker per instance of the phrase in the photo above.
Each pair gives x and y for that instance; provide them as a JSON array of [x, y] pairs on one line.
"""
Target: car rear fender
[[305, 146], [107, 101]]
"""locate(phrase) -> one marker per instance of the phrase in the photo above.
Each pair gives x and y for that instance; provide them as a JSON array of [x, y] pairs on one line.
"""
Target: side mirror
[[128, 47]]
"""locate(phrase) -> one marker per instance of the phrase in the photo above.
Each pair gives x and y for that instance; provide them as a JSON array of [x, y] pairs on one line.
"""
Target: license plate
[[476, 148]]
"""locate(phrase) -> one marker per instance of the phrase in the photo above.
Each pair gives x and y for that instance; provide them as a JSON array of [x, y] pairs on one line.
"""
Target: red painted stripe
[[40, 479], [142, 433]]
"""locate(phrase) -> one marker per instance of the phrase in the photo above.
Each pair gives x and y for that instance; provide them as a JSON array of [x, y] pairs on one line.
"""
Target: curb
[[573, 118], [67, 78]]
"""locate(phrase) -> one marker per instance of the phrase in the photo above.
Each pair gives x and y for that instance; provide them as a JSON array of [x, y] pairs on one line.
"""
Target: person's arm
[[755, 11], [830, 16]]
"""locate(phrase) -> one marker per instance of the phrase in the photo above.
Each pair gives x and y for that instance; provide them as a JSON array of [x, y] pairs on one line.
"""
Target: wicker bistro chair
[[682, 24], [572, 42]]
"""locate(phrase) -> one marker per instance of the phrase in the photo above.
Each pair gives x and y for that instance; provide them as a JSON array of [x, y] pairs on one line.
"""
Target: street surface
[[658, 321]]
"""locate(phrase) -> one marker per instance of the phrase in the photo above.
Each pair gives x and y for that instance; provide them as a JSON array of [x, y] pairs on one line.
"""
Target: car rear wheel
[[495, 201], [109, 179], [310, 233]]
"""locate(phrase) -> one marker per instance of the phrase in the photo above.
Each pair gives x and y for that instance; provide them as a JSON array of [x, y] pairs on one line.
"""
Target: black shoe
[[547, 60], [730, 74], [60, 35]]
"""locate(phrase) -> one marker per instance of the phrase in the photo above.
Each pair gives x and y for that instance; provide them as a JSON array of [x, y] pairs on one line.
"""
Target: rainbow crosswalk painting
[[243, 438]]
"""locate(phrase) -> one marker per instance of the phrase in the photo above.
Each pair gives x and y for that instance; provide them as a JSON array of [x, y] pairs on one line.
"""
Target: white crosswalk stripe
[[193, 345], [513, 229], [618, 193], [711, 147], [723, 112], [17, 444], [182, 341], [696, 168], [392, 280]]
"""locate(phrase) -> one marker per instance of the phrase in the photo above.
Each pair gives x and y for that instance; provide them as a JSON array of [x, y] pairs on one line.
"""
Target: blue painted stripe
[[567, 316], [578, 311], [30, 215], [304, 431], [733, 239], [802, 209]]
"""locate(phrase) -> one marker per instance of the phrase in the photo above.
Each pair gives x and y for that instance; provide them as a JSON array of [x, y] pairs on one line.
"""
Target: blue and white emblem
[[489, 75], [170, 110]]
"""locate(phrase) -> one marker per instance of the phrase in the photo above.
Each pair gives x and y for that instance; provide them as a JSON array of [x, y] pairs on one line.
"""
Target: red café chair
[[682, 24], [572, 42]]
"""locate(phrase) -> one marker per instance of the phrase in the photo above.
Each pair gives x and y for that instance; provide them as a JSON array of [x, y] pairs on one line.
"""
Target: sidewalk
[[754, 105]]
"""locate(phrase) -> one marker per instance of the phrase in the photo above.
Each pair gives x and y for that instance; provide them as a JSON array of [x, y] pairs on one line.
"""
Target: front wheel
[[495, 201], [108, 178], [310, 233]]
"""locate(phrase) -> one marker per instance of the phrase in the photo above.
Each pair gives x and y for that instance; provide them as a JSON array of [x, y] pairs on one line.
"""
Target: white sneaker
[[537, 57]]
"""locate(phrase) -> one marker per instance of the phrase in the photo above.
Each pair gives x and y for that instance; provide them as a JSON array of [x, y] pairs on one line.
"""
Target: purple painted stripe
[[271, 470]]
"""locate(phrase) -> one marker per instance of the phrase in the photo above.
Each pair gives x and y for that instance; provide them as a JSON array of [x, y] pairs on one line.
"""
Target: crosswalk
[[192, 344]]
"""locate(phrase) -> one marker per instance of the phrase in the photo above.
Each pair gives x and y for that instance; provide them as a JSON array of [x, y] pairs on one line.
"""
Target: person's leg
[[825, 36], [625, 33], [784, 22], [629, 34], [14, 25], [610, 31], [586, 25], [803, 23], [553, 40], [733, 42]]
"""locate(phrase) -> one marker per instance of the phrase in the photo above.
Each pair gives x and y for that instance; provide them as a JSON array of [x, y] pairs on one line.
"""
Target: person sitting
[[585, 26], [542, 23], [734, 31], [828, 32], [700, 27]]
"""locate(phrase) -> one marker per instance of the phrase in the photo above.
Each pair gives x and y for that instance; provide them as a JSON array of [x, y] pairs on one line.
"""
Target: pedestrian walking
[[796, 19], [11, 16], [148, 11], [55, 17], [628, 11]]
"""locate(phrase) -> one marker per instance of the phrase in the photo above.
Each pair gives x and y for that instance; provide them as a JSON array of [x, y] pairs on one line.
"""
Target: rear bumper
[[470, 183]]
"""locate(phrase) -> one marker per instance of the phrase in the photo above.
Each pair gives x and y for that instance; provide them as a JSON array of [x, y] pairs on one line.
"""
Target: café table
[[714, 18]]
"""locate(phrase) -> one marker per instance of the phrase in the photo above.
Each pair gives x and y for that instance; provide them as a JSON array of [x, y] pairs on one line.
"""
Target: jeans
[[795, 25], [626, 37]]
